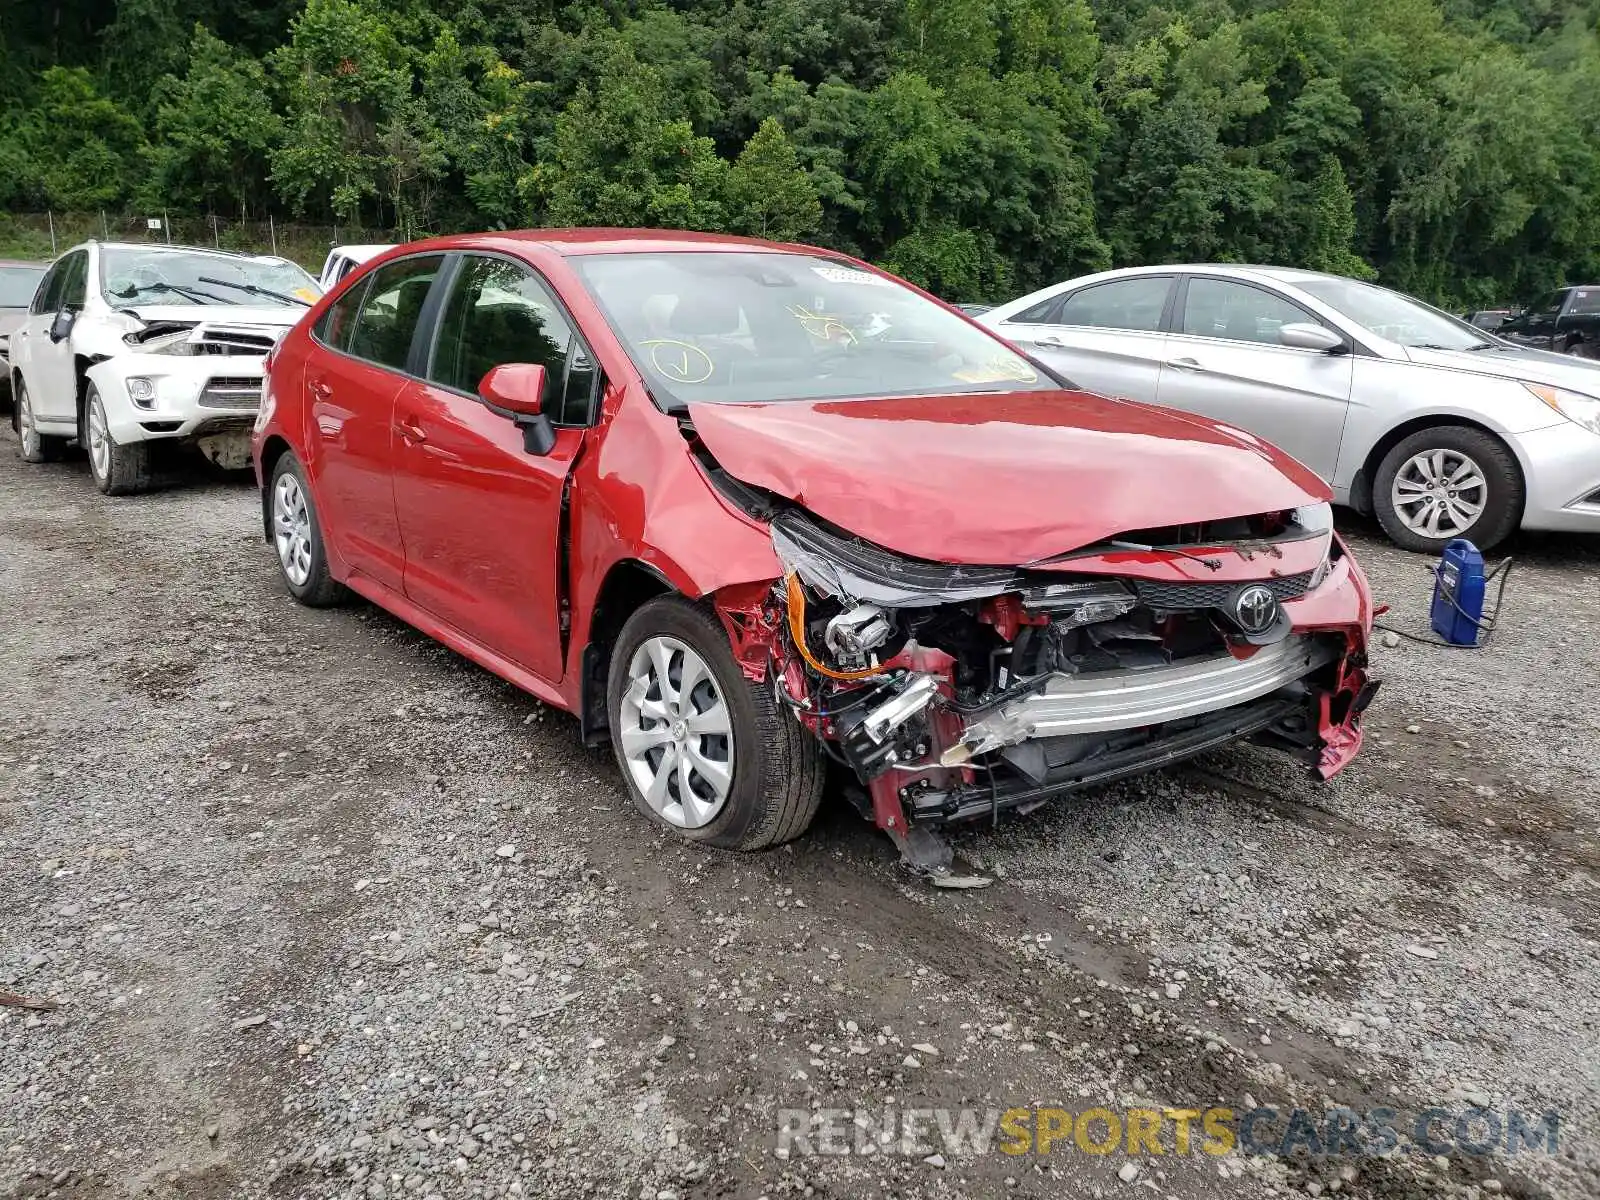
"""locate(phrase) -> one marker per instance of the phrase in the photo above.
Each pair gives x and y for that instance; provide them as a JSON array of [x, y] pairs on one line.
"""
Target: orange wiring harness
[[797, 631]]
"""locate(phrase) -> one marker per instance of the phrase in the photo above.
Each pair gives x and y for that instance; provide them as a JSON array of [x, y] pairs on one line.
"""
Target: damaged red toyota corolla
[[742, 506]]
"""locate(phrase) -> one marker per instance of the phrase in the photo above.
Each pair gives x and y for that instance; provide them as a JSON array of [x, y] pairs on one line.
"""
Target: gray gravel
[[329, 912]]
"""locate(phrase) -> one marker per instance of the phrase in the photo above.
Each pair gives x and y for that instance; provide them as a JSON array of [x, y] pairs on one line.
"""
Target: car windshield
[[146, 275], [17, 285], [1394, 316], [758, 326]]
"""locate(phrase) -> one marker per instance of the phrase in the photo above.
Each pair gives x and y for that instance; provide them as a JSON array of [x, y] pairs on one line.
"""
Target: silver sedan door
[[1105, 337], [1224, 360]]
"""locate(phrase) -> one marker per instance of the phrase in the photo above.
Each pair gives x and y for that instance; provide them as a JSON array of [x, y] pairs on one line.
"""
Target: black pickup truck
[[1566, 321]]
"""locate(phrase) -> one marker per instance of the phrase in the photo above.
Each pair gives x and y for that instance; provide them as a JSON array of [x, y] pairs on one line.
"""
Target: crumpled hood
[[1534, 366], [1000, 479], [272, 316]]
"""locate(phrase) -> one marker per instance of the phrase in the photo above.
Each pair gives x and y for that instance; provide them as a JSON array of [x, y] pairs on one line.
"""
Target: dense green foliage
[[982, 147]]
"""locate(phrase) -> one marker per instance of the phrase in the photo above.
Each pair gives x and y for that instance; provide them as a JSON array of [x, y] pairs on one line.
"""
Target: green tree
[[769, 194]]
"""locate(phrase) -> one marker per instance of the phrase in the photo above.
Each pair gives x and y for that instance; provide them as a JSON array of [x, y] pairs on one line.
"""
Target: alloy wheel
[[291, 529], [1439, 493], [677, 733], [26, 426], [99, 440]]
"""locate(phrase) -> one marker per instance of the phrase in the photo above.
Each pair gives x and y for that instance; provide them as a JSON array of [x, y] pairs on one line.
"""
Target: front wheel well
[[1361, 485], [628, 585]]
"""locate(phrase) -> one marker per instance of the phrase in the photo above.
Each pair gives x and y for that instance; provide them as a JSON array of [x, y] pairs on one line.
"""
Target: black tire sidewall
[[1502, 511], [319, 582], [678, 618]]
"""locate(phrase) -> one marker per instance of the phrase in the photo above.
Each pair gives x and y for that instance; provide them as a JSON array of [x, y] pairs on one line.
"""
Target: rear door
[[1224, 360], [1105, 337], [365, 341], [479, 515]]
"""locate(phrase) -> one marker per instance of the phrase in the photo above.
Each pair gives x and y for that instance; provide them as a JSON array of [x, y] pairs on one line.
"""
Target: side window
[[76, 284], [1038, 314], [1237, 312], [333, 327], [47, 299], [388, 317], [1135, 303], [501, 312], [1585, 302]]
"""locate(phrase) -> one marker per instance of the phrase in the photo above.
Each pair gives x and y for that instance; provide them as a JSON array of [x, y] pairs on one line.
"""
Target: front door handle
[[1184, 364], [411, 431], [1048, 339]]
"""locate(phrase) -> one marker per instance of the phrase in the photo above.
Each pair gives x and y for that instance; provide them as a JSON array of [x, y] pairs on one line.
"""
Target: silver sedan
[[1437, 428]]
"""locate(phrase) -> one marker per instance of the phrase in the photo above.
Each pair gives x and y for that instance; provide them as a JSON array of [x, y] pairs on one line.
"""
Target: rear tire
[[297, 537], [35, 447], [770, 769], [119, 469], [1448, 482]]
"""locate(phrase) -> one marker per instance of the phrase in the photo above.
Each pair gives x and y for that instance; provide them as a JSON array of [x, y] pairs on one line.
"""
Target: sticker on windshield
[[823, 326], [851, 275], [679, 361], [998, 370]]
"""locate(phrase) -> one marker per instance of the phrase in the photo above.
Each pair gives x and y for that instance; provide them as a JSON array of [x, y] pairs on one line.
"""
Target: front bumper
[[194, 396], [1561, 466], [1304, 695]]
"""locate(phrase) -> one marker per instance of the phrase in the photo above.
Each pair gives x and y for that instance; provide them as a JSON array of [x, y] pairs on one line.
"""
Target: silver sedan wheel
[[25, 424], [99, 439], [1439, 493], [677, 734], [291, 529]]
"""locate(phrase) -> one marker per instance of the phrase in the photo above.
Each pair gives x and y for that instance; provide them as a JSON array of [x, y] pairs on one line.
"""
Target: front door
[[1224, 361], [351, 387], [479, 515], [1105, 337], [51, 372]]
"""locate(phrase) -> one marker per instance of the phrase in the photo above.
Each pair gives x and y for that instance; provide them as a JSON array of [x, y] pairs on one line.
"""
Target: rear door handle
[[411, 431], [1184, 364], [1048, 339]]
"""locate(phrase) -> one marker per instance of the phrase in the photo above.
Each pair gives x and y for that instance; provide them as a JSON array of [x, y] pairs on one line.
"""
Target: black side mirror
[[61, 327]]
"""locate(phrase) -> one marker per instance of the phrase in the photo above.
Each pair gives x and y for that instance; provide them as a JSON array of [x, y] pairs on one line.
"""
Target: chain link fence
[[44, 235]]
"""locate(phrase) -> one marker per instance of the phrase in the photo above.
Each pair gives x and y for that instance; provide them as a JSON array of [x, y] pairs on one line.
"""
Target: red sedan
[[743, 508]]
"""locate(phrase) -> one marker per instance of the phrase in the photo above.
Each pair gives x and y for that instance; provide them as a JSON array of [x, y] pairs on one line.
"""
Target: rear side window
[[1135, 304], [335, 325], [502, 312], [387, 320], [48, 298], [1585, 301], [1042, 313], [1237, 312]]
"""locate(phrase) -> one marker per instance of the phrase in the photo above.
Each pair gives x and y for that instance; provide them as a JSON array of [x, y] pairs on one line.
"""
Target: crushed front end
[[956, 692]]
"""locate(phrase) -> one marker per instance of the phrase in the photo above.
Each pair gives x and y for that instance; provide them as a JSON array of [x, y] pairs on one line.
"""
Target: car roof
[[609, 241]]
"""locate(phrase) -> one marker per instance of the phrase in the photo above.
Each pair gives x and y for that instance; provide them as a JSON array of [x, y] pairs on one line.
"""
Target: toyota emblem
[[1255, 608]]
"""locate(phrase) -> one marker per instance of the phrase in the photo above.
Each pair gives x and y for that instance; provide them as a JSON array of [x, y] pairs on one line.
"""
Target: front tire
[[1448, 482], [703, 751], [297, 537], [35, 447], [119, 469]]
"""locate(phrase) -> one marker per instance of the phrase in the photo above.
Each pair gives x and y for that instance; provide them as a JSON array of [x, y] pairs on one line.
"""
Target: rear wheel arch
[[274, 448]]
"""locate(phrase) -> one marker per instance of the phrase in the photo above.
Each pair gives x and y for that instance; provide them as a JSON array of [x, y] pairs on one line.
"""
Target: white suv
[[126, 345]]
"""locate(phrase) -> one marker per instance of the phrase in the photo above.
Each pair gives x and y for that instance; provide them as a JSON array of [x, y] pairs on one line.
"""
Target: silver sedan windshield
[[1394, 316]]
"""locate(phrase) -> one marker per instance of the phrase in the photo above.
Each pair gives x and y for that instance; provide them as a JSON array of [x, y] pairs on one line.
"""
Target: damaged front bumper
[[958, 692]]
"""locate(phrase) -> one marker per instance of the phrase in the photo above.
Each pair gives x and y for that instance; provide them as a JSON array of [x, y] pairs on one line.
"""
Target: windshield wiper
[[1436, 346], [254, 290], [189, 294]]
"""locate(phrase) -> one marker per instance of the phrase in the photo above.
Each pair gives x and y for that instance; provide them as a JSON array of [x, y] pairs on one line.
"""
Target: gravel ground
[[329, 912]]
